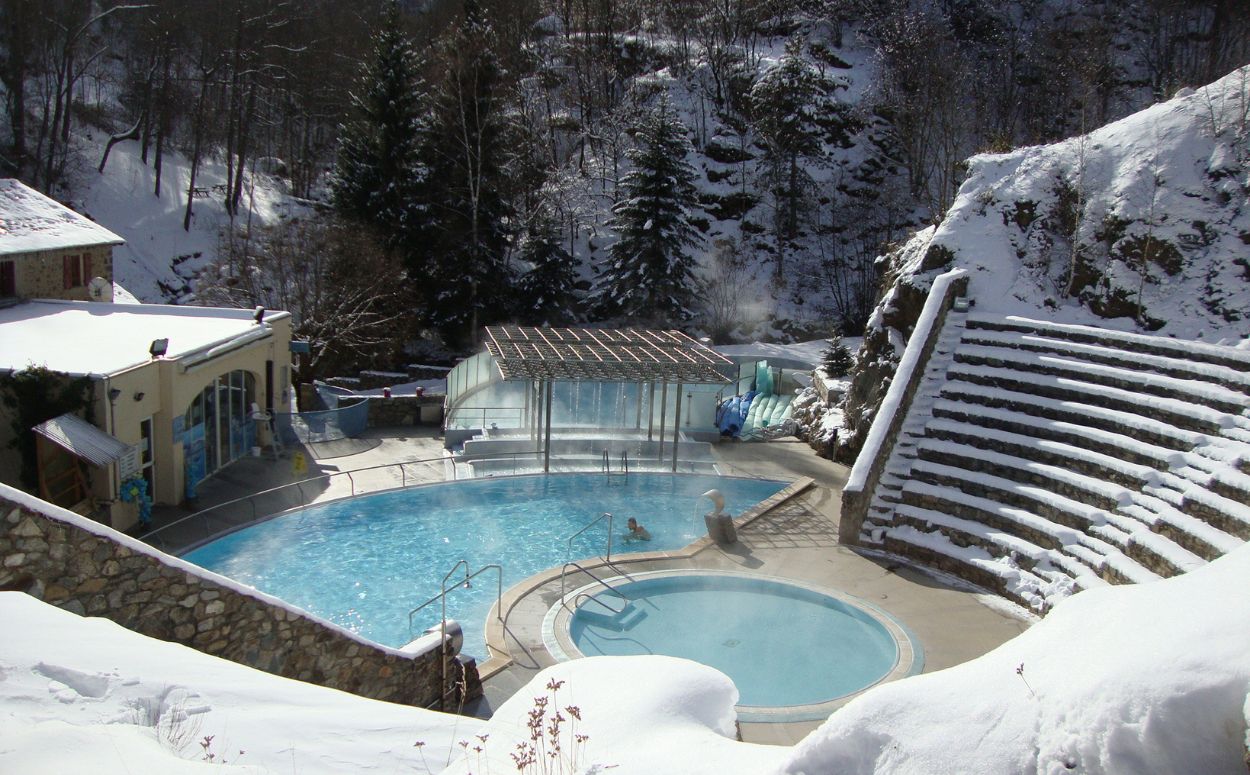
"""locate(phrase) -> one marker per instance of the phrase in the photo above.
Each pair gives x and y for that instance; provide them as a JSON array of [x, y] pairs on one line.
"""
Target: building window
[[76, 270], [8, 279]]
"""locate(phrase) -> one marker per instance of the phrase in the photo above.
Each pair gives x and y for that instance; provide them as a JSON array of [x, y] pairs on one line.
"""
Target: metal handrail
[[569, 549], [564, 572], [468, 577], [443, 596], [577, 601], [625, 461], [606, 466]]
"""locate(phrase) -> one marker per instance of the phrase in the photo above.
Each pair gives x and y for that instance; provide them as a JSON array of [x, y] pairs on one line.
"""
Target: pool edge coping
[[909, 652], [499, 657]]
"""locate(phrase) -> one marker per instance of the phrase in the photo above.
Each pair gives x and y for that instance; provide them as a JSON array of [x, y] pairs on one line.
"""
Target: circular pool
[[790, 648]]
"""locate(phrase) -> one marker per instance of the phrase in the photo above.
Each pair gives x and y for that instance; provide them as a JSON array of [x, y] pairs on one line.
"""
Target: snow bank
[[641, 715], [126, 704], [1148, 678]]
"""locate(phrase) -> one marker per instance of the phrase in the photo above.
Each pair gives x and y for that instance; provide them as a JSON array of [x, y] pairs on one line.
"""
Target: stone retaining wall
[[93, 573], [401, 411]]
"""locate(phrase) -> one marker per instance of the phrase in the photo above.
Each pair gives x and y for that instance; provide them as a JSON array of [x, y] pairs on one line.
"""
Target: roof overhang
[[82, 439], [605, 355]]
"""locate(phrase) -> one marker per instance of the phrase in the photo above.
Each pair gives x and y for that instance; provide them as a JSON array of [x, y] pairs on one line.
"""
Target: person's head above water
[[632, 523]]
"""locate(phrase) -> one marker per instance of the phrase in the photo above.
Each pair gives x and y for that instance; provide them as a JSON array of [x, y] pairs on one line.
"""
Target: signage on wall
[[128, 464]]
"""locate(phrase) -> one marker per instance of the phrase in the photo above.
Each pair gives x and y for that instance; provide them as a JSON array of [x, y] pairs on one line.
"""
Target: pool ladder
[[442, 596], [606, 465], [587, 595]]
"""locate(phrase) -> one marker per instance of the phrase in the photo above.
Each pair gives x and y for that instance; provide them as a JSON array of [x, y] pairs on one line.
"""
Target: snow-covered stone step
[[1146, 429], [978, 566], [1042, 461], [1177, 366], [1010, 519], [1078, 514], [1119, 568], [1023, 425], [1221, 513], [1205, 393], [967, 532], [1195, 535], [1161, 554], [1184, 414], [1144, 343]]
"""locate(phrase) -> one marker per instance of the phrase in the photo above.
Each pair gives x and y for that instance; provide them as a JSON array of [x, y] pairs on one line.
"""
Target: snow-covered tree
[[466, 233], [791, 105], [378, 169], [648, 274], [836, 359], [548, 290]]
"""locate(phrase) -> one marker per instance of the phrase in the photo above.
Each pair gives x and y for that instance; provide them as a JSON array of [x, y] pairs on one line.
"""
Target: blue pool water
[[365, 562], [780, 643]]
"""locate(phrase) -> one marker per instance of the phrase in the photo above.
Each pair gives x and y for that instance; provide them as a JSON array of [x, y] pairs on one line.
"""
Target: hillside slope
[[1142, 225]]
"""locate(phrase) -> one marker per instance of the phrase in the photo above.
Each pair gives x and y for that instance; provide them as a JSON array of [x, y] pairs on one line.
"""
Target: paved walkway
[[797, 540]]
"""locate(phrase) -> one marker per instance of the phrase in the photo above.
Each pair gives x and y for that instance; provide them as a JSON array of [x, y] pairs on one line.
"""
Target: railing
[[485, 417], [224, 517], [625, 461], [605, 467], [605, 515], [564, 573], [344, 422], [443, 622], [577, 602]]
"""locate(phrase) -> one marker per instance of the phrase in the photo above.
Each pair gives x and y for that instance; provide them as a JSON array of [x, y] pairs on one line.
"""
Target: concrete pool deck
[[796, 540]]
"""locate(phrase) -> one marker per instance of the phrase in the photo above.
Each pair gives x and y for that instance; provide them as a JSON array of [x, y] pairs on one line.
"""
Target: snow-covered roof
[[81, 337], [30, 221]]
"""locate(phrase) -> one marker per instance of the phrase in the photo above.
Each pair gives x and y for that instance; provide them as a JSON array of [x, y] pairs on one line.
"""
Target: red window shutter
[[86, 268], [67, 278]]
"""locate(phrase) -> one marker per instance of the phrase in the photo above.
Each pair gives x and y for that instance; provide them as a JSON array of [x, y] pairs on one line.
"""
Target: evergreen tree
[[836, 358], [792, 108], [465, 234], [648, 275], [378, 172], [547, 291]]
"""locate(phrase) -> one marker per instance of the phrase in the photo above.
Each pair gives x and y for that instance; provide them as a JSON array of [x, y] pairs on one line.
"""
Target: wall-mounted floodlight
[[139, 394], [159, 348], [259, 317], [114, 393]]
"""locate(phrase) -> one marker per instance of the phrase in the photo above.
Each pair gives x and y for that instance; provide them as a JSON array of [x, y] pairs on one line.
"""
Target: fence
[[347, 421]]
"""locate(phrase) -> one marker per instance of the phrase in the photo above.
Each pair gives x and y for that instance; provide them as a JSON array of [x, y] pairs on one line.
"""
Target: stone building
[[48, 251]]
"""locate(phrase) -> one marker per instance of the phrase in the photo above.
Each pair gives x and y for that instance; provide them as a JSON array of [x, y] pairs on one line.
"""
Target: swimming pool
[[787, 646], [365, 562]]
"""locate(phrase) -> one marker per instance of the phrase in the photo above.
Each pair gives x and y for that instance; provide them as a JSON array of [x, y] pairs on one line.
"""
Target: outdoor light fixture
[[260, 314], [159, 348], [114, 393], [139, 395]]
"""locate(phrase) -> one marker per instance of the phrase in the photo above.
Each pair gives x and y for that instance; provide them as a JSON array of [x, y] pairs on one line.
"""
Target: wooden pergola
[[542, 356]]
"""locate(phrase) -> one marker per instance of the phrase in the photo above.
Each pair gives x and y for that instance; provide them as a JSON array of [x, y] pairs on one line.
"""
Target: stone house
[[48, 251]]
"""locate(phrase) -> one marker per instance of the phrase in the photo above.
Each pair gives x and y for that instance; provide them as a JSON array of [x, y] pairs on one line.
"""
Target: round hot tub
[[793, 650]]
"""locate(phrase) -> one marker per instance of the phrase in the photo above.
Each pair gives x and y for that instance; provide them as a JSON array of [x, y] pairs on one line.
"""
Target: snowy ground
[[1148, 678]]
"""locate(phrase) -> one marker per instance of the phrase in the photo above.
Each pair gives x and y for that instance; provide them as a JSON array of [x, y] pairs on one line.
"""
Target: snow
[[130, 704], [1148, 678], [1163, 172], [1085, 689], [891, 404], [808, 353], [80, 337], [32, 222]]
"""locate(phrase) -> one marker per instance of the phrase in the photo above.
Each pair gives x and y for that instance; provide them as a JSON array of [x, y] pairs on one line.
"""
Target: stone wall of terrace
[[91, 570]]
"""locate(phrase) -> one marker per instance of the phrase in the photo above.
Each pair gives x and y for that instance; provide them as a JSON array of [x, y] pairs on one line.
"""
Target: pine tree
[[836, 358], [648, 275], [547, 291], [378, 170], [466, 148], [792, 108]]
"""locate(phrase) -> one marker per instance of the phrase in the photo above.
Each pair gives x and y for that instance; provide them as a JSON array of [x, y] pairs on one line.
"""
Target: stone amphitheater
[[1037, 459]]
